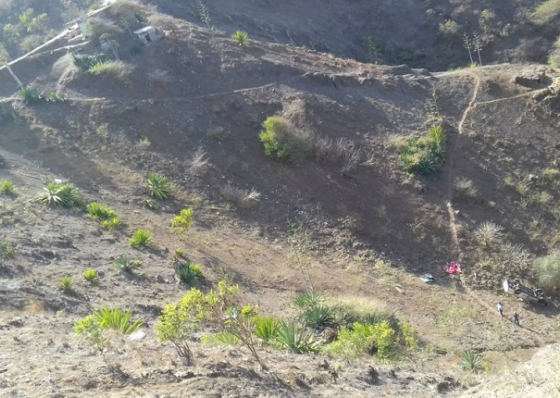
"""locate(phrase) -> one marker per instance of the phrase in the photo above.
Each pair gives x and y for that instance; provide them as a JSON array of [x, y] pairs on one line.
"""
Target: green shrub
[[295, 338], [546, 12], [471, 361], [85, 62], [550, 174], [240, 37], [547, 272], [6, 248], [281, 140], [99, 212], [189, 273], [124, 264], [141, 238], [116, 69], [60, 195], [266, 328], [352, 342], [159, 186], [111, 224], [184, 220], [7, 187], [66, 285], [30, 95], [180, 253], [424, 155], [91, 275]]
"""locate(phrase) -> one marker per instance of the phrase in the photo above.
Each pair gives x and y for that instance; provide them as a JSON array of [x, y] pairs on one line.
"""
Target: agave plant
[[99, 212], [159, 186], [125, 264], [266, 328], [240, 37], [60, 194], [308, 299], [189, 273], [115, 319], [295, 338], [66, 285], [319, 317], [471, 361]]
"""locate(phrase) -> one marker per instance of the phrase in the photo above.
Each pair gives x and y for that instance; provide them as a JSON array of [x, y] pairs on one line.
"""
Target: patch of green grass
[[550, 174], [91, 275], [240, 37], [221, 339], [66, 285], [102, 68], [143, 144], [111, 224], [189, 273], [141, 238], [59, 194], [180, 253], [99, 212], [33, 96], [424, 155], [546, 12], [85, 62], [7, 187], [184, 220], [6, 248], [309, 299], [159, 186]]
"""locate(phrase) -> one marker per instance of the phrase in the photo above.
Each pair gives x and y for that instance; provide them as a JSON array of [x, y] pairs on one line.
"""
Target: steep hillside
[[344, 214]]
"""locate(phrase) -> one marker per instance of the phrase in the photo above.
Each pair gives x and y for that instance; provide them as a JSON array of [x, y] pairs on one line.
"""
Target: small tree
[[467, 43], [547, 270], [477, 45]]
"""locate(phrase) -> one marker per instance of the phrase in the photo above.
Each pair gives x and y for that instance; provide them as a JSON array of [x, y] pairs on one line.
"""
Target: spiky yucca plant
[[159, 186], [60, 194], [240, 37]]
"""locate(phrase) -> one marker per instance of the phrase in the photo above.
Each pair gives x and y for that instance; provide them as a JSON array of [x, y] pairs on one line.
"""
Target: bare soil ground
[[496, 128]]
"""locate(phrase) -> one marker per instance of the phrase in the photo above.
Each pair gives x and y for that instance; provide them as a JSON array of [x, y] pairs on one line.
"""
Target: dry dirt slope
[[355, 218]]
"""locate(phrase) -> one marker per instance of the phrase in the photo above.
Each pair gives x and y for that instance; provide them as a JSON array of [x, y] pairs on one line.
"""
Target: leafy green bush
[[184, 220], [159, 186], [281, 140], [91, 275], [60, 194], [33, 96], [352, 342], [7, 187], [546, 12], [295, 338], [141, 238], [66, 285], [240, 37], [266, 328], [99, 212], [547, 272], [471, 361], [189, 273], [424, 155]]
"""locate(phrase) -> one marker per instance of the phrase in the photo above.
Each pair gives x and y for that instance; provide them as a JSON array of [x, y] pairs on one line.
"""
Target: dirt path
[[455, 251]]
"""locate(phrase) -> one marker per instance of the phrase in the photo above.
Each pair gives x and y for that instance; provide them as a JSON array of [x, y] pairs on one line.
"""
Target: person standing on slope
[[500, 309]]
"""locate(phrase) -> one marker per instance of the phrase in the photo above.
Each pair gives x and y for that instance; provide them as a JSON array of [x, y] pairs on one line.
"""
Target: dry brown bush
[[465, 188], [99, 26], [241, 197], [163, 22], [199, 163]]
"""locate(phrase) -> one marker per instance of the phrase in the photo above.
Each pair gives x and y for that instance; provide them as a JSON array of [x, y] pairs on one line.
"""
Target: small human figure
[[515, 318], [500, 309]]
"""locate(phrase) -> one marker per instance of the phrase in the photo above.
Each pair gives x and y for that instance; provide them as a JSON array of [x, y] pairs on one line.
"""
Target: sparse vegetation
[[241, 197], [33, 96], [488, 233], [7, 187], [7, 249], [125, 264], [143, 144], [159, 186], [465, 188], [59, 194], [199, 163], [189, 273], [296, 338], [67, 285], [91, 275], [266, 329], [117, 69], [92, 326], [184, 220], [240, 37], [99, 212], [85, 62], [424, 155]]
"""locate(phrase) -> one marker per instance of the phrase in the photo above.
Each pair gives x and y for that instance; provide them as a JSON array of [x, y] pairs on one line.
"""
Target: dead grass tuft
[[488, 233], [199, 163], [163, 22], [241, 197], [465, 188]]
